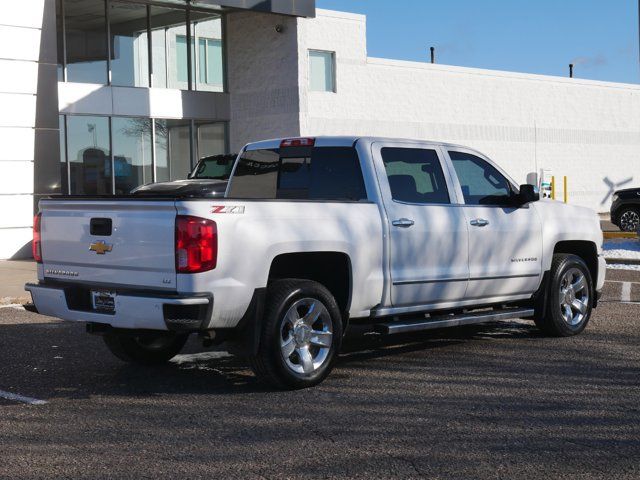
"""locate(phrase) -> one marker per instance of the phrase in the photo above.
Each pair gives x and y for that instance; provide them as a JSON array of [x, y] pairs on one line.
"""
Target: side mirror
[[528, 193]]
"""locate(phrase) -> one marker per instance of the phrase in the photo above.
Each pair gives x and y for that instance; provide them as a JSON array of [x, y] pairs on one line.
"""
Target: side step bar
[[452, 320]]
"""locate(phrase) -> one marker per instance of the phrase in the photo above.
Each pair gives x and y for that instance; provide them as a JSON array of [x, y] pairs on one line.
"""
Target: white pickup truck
[[314, 235]]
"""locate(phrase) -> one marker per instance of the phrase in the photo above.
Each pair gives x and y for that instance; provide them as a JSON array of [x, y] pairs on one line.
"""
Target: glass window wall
[[144, 150], [89, 155], [64, 174], [86, 41], [207, 68], [129, 44], [211, 139], [60, 39], [146, 46], [169, 45], [132, 155], [173, 149]]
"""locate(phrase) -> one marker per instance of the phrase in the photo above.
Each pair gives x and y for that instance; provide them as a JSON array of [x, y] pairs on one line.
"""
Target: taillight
[[36, 246], [196, 244], [297, 142]]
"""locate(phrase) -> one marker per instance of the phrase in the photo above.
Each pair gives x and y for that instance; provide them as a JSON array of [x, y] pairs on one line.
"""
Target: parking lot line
[[625, 296], [21, 398]]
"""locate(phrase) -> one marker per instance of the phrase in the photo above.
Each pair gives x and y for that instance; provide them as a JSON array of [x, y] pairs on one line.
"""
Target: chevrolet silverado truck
[[313, 236]]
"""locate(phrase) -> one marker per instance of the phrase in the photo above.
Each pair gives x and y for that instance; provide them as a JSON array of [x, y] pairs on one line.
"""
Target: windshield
[[217, 167]]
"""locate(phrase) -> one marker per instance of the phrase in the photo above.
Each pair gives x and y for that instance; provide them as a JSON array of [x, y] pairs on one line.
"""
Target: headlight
[[615, 197]]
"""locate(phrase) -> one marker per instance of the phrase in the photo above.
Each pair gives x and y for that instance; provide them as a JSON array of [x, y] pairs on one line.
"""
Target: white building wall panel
[[18, 76], [17, 143], [262, 71], [17, 211], [26, 13], [588, 131], [16, 177], [20, 33], [19, 110], [19, 43]]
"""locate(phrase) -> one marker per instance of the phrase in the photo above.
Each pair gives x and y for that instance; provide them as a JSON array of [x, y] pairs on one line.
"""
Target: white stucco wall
[[19, 53], [589, 131], [262, 71]]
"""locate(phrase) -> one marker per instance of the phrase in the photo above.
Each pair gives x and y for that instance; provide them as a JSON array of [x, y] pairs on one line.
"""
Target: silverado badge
[[100, 247]]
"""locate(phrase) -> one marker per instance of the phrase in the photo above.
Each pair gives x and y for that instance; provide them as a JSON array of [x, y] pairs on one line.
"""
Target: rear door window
[[415, 175], [299, 173]]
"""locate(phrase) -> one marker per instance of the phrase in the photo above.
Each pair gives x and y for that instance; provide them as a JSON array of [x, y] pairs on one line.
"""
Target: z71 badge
[[227, 209]]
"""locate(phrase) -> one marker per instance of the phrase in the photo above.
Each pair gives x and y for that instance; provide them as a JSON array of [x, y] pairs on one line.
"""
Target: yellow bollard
[[566, 194], [553, 187]]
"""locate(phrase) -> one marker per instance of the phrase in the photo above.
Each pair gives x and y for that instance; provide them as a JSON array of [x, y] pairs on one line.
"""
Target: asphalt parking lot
[[491, 401]]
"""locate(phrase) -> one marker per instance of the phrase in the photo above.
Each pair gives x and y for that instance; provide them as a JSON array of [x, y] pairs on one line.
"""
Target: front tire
[[570, 296], [145, 349], [629, 219], [301, 335]]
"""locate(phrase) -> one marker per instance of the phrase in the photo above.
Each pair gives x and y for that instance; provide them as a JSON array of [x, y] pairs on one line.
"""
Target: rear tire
[[145, 349], [570, 295], [301, 335]]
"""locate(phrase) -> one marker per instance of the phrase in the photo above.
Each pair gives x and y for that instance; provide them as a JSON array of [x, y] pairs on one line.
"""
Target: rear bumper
[[139, 310]]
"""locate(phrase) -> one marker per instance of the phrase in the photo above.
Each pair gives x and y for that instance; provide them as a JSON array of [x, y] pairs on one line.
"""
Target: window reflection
[[86, 35], [140, 145], [132, 157], [129, 45], [60, 40], [169, 47], [64, 180], [207, 64], [173, 149], [211, 139], [82, 35], [89, 155]]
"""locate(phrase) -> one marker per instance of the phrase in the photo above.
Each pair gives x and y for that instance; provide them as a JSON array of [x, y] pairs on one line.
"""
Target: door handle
[[403, 222], [479, 222]]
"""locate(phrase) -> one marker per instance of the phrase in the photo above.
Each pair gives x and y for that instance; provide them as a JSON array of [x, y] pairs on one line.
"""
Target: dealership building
[[99, 96]]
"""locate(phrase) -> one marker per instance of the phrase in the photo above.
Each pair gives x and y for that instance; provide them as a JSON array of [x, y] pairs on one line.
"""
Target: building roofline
[[497, 73], [320, 12]]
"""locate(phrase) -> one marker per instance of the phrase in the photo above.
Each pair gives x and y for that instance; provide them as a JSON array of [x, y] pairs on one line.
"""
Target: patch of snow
[[199, 357], [621, 266], [622, 248]]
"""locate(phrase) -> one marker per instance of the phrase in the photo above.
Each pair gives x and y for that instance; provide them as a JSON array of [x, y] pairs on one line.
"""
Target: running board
[[452, 320]]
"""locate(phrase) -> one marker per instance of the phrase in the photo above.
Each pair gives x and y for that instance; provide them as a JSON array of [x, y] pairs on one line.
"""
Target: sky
[[600, 37]]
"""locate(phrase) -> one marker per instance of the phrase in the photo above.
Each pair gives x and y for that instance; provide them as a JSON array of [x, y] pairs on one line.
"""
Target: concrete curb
[[612, 235]]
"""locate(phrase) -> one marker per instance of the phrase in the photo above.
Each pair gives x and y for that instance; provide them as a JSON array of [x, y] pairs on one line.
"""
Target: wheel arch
[[585, 249], [330, 268]]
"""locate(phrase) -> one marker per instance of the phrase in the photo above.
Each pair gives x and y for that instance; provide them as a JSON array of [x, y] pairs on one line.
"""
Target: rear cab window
[[299, 173]]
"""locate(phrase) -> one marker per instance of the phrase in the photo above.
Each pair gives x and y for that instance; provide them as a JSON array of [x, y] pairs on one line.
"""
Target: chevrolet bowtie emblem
[[100, 247]]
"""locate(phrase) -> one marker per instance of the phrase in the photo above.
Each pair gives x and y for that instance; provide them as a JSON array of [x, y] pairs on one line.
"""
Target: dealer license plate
[[102, 301]]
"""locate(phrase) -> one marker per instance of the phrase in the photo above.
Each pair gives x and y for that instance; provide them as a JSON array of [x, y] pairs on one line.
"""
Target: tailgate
[[121, 243]]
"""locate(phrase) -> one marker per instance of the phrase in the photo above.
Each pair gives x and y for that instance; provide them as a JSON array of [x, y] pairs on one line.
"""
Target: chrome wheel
[[630, 221], [306, 336], [574, 296]]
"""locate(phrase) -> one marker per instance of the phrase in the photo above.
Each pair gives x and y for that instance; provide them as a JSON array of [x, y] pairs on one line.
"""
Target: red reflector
[[298, 142], [196, 244], [36, 245]]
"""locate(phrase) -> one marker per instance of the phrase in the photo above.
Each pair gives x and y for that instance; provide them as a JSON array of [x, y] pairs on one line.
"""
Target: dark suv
[[625, 209]]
